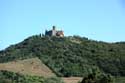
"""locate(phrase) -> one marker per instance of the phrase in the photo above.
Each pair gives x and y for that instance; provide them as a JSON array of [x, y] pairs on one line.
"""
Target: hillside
[[70, 56], [32, 66]]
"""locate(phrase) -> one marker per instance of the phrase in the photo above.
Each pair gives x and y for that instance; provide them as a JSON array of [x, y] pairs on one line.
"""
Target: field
[[72, 79], [31, 66]]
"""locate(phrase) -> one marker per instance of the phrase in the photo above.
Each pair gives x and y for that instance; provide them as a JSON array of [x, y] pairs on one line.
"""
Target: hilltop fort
[[54, 32]]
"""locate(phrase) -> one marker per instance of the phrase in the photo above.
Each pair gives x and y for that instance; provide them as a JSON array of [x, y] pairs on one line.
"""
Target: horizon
[[97, 20]]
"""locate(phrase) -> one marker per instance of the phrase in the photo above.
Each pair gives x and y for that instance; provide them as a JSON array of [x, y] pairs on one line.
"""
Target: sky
[[101, 20]]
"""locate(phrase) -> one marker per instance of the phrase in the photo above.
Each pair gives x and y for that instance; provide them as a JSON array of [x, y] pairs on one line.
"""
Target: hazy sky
[[96, 19]]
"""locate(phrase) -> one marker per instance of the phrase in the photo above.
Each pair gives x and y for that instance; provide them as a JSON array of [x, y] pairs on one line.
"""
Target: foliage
[[97, 77], [102, 78], [70, 56], [53, 80], [11, 77]]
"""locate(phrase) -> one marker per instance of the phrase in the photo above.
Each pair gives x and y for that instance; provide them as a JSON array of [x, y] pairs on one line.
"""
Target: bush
[[11, 77]]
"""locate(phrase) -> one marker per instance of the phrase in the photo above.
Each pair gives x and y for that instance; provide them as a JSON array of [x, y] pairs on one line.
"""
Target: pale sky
[[102, 20]]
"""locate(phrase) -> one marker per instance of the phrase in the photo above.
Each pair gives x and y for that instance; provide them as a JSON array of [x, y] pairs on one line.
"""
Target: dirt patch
[[72, 79]]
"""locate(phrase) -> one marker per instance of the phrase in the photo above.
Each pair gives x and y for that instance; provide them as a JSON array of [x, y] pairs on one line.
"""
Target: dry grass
[[72, 79], [31, 66]]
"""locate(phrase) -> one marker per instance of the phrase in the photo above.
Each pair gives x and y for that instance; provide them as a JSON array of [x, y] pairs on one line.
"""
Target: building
[[54, 32]]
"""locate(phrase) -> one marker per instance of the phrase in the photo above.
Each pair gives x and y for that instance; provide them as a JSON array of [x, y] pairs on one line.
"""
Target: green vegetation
[[98, 77], [91, 78], [120, 80], [11, 77], [70, 56]]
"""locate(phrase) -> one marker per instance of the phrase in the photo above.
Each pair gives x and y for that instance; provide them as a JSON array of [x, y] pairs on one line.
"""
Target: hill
[[70, 56]]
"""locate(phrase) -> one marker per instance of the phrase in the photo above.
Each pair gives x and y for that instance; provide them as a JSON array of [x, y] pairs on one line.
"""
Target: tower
[[54, 27], [54, 31]]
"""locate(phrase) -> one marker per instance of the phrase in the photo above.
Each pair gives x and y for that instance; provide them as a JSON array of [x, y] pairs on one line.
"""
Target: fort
[[54, 32]]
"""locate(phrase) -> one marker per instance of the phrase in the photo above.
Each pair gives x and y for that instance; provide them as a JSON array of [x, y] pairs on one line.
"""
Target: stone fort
[[54, 32]]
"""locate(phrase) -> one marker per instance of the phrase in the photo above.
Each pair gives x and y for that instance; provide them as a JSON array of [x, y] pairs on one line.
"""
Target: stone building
[[54, 32]]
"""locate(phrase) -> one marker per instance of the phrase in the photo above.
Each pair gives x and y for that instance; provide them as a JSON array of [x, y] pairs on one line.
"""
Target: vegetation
[[11, 77], [120, 80], [70, 56], [98, 77]]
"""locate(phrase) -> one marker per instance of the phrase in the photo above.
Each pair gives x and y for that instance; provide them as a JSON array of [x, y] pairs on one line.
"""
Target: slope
[[32, 66]]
